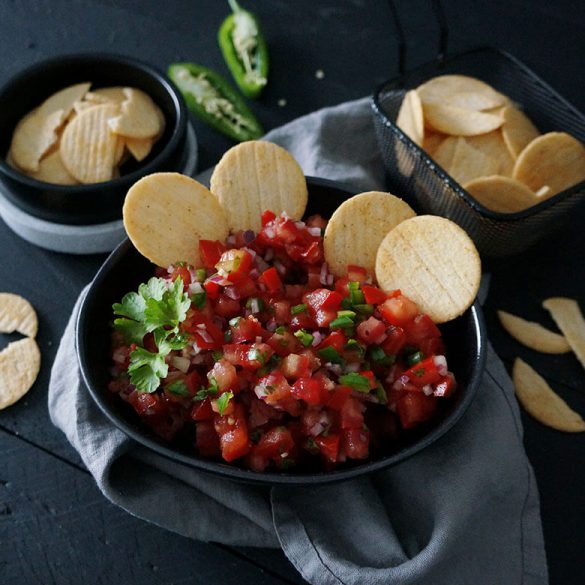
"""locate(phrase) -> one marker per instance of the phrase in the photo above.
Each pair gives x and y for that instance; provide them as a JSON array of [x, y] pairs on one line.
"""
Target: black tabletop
[[55, 526]]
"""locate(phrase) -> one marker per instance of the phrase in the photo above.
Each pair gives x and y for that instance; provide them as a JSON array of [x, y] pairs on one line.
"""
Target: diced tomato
[[336, 340], [284, 343], [207, 334], [314, 277], [212, 289], [246, 287], [210, 252], [183, 273], [308, 389], [341, 286], [276, 391], [419, 329], [373, 295], [423, 373], [274, 443], [329, 446], [295, 366], [251, 356], [395, 340], [356, 273], [206, 439], [323, 305], [202, 410], [267, 217], [146, 404], [352, 414], [372, 331], [193, 382], [280, 310], [226, 307], [355, 443], [398, 311], [338, 397], [445, 386], [432, 346], [415, 408], [234, 264], [271, 280], [233, 434], [247, 329], [224, 373], [303, 321]]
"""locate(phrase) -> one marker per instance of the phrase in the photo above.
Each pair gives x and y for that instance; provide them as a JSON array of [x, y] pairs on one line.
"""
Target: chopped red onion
[[314, 231], [427, 389], [269, 254], [205, 335], [195, 288], [249, 236], [232, 293], [317, 338], [120, 355], [330, 279], [221, 322], [254, 273], [334, 368], [441, 364], [219, 279], [353, 367], [250, 251], [261, 264], [198, 359], [279, 266], [271, 324], [300, 224], [323, 273], [254, 305]]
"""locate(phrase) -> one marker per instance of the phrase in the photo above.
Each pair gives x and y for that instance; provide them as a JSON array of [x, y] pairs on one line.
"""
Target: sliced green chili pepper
[[210, 97], [242, 43]]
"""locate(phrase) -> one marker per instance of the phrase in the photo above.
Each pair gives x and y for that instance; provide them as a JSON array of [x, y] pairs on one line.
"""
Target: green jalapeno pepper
[[244, 50], [210, 97]]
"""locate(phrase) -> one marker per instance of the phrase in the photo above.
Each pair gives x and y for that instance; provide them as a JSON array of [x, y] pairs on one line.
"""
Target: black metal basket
[[413, 174]]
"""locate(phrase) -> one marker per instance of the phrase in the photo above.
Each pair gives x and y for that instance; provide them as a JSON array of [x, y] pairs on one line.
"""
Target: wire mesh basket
[[412, 173]]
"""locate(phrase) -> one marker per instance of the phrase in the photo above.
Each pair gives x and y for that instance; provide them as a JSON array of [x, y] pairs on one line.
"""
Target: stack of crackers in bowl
[[488, 144]]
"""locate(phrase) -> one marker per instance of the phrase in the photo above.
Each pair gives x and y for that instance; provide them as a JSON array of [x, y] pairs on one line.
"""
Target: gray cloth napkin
[[463, 511]]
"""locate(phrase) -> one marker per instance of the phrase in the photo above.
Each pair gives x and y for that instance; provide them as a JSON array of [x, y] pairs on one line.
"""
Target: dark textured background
[[55, 527]]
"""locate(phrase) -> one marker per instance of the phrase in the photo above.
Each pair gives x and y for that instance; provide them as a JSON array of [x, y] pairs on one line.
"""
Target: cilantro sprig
[[158, 309]]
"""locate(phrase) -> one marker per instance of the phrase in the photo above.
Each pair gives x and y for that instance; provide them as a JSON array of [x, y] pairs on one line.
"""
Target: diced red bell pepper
[[336, 340], [323, 305], [271, 280], [210, 252], [212, 289], [373, 295]]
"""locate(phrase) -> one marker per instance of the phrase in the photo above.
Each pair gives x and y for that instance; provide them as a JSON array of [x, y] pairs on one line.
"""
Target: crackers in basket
[[20, 361], [488, 144], [78, 136]]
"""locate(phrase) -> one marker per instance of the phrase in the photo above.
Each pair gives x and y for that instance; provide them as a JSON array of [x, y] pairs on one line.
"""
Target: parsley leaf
[[170, 309], [146, 369], [132, 306], [133, 331], [203, 393], [223, 401]]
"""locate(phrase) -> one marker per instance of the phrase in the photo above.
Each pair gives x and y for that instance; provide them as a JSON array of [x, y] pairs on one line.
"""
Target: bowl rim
[[272, 478], [436, 168], [155, 74]]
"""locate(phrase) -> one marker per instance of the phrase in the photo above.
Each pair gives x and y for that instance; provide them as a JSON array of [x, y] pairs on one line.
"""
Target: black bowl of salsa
[[125, 269]]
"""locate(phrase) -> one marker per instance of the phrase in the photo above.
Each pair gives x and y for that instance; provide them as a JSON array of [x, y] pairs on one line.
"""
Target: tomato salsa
[[262, 357]]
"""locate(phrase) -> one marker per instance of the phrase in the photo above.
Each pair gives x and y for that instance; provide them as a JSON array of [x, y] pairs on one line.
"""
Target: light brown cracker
[[255, 176], [20, 363], [166, 214], [533, 335], [555, 159], [444, 153], [52, 170], [88, 148], [432, 141], [460, 91], [542, 402], [501, 194], [569, 319], [469, 163], [410, 117], [358, 226], [517, 130], [459, 121], [492, 145], [139, 147], [64, 100], [433, 262], [17, 314], [138, 117]]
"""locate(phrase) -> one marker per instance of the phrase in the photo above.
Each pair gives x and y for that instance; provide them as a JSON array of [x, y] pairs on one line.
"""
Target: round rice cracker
[[517, 130], [433, 262], [166, 214], [255, 176], [542, 402], [17, 314], [358, 226], [459, 121], [139, 117], [410, 117], [460, 91], [555, 159], [501, 194], [20, 363], [88, 148]]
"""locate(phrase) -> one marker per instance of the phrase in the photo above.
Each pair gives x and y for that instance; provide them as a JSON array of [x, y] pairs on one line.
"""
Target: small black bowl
[[126, 268], [100, 202]]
